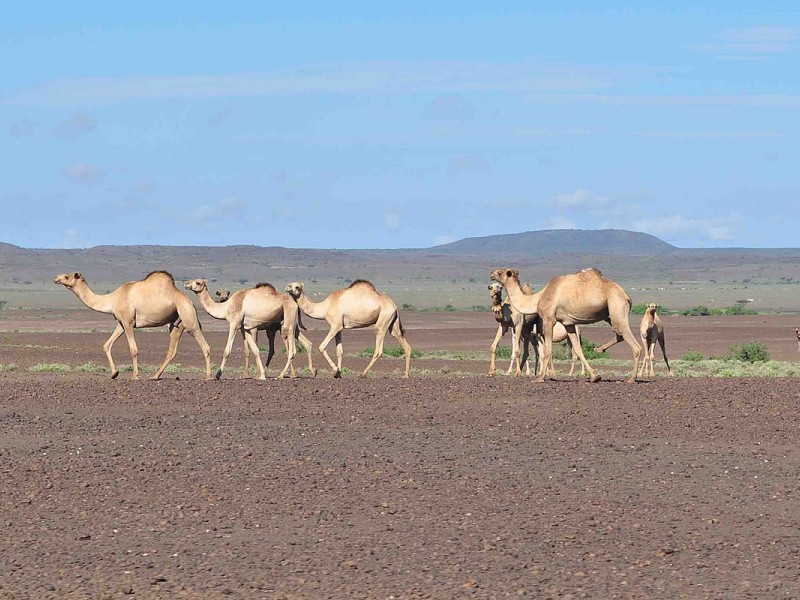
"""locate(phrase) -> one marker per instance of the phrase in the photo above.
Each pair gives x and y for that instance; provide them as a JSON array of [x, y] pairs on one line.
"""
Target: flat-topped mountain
[[557, 241]]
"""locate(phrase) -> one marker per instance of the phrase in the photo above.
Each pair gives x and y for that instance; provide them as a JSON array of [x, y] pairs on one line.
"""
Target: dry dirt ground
[[432, 487]]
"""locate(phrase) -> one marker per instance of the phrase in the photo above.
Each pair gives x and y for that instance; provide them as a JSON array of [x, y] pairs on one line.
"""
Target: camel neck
[[103, 303], [218, 310], [315, 310]]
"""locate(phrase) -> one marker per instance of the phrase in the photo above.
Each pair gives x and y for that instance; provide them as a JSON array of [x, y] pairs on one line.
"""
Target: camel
[[652, 330], [524, 328], [353, 307], [520, 325], [152, 302], [223, 295], [577, 298], [248, 310]]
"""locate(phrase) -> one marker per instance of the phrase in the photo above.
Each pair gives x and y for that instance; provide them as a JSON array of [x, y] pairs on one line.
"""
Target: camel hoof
[[218, 374], [337, 374], [313, 372], [539, 379], [154, 378], [595, 378], [491, 373], [362, 375], [115, 374], [672, 374], [631, 380]]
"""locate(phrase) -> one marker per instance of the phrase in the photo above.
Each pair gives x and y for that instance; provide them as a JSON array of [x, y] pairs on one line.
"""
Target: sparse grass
[[692, 356], [8, 367], [393, 351], [50, 368], [91, 367], [749, 352]]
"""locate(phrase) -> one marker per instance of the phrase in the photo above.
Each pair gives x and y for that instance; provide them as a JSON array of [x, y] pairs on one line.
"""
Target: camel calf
[[652, 330], [520, 325]]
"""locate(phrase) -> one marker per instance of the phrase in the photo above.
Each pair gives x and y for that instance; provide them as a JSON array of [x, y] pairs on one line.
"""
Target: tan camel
[[652, 330], [152, 302], [353, 307], [575, 299], [520, 325], [223, 295], [247, 311]]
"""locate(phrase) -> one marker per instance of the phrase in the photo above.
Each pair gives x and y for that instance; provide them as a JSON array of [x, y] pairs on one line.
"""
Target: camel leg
[[617, 339], [594, 376], [134, 350], [396, 329], [107, 349], [536, 342], [291, 350], [234, 327], [339, 351], [516, 338], [335, 332], [246, 371], [642, 367], [251, 340], [175, 333], [525, 352], [661, 342], [574, 356], [380, 336], [501, 331], [624, 329], [652, 358], [270, 331], [547, 350], [309, 348]]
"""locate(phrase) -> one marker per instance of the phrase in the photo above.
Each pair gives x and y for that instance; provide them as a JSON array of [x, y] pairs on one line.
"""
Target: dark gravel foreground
[[380, 488]]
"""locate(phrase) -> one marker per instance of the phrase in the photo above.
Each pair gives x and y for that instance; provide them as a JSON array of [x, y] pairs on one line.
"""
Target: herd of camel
[[553, 314]]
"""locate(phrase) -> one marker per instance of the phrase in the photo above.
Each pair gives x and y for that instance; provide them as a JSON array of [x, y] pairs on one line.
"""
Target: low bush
[[50, 368], [397, 352], [749, 352], [692, 356]]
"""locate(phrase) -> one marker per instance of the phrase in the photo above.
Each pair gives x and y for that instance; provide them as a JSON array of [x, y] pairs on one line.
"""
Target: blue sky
[[359, 125]]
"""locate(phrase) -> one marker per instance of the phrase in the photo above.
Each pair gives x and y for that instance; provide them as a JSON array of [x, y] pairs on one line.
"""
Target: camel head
[[496, 293], [651, 308], [69, 280], [503, 275], [295, 289], [196, 285], [223, 295]]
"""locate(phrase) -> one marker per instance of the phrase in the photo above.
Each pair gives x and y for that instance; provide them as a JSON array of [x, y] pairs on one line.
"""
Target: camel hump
[[159, 273], [593, 271], [361, 282], [527, 289], [264, 284]]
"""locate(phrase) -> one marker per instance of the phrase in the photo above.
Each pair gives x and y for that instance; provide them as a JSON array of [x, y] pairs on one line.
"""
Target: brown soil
[[440, 487]]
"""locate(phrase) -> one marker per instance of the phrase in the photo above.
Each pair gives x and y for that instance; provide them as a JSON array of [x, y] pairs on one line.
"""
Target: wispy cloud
[[77, 124], [753, 42], [692, 135], [208, 215], [579, 199], [21, 129], [84, 174], [365, 77]]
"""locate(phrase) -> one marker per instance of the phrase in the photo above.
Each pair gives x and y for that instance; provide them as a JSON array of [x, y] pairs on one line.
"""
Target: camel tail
[[396, 322]]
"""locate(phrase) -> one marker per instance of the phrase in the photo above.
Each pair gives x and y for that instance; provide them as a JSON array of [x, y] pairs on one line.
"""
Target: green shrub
[[50, 368], [590, 350], [8, 367], [697, 311], [91, 368], [749, 352], [503, 352], [396, 352], [692, 356]]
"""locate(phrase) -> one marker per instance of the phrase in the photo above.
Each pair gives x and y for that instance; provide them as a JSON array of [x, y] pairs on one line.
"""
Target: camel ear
[[489, 287], [77, 275], [512, 273]]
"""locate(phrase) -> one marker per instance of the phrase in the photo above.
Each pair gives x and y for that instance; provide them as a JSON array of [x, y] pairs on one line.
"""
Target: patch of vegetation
[[480, 308], [697, 311], [91, 367], [692, 356], [590, 350], [8, 367], [408, 307], [749, 352], [503, 352], [703, 311], [2, 304], [393, 351], [50, 368]]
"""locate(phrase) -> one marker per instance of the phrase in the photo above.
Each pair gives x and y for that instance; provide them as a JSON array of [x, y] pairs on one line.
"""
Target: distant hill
[[556, 241]]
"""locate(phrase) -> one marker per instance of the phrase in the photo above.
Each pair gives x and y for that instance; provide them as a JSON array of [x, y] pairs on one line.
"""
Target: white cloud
[[208, 215], [392, 221], [84, 174], [443, 77], [579, 199], [678, 227], [753, 42], [77, 124], [561, 223]]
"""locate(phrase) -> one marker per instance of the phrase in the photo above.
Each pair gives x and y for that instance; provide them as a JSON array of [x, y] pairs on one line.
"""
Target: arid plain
[[448, 484]]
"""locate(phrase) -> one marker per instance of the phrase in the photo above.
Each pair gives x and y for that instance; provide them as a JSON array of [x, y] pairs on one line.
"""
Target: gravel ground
[[432, 487]]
